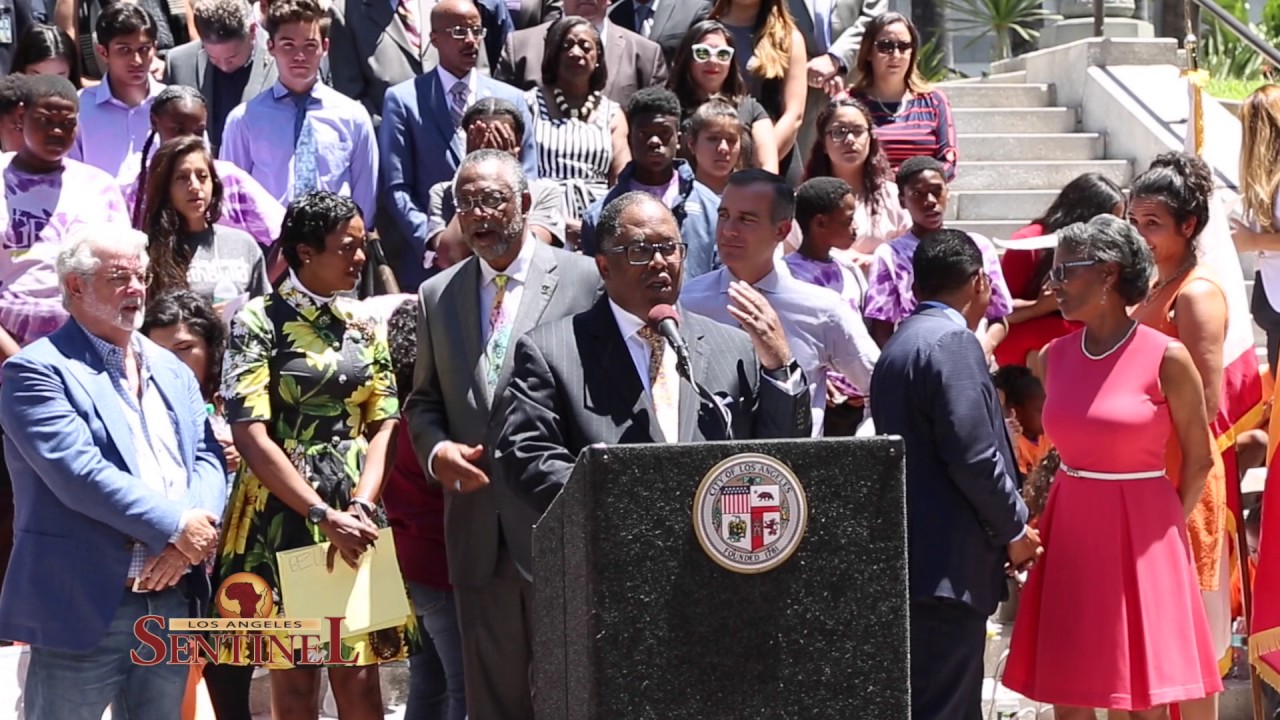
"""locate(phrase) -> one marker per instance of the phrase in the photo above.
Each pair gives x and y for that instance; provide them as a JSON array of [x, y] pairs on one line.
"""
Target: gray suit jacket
[[450, 399], [633, 62], [536, 12], [671, 21], [189, 65], [575, 385]]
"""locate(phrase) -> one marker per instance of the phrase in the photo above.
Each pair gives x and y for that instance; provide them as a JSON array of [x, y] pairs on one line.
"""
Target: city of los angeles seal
[[749, 513]]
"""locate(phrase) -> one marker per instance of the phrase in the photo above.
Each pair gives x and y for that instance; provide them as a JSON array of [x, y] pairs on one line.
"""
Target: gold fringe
[[1264, 643], [1198, 79]]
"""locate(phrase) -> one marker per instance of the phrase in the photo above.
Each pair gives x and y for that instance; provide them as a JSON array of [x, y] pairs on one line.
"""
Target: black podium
[[635, 619]]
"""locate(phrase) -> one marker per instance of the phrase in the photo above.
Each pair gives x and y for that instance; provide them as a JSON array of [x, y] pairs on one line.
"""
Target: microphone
[[666, 321]]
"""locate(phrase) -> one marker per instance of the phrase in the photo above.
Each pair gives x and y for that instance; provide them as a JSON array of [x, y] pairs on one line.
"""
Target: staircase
[[1017, 150]]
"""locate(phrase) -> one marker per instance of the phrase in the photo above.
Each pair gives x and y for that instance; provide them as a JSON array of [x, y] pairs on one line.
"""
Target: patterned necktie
[[407, 10], [306, 176], [495, 350], [644, 19], [663, 386], [458, 101]]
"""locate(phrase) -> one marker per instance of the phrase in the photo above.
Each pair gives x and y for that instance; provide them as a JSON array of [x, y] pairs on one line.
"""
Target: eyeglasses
[[1058, 273], [641, 253], [705, 53], [491, 200], [121, 280], [841, 133], [462, 32], [887, 47]]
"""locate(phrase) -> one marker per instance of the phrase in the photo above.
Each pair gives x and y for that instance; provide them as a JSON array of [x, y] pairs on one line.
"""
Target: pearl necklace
[[582, 113], [1132, 327]]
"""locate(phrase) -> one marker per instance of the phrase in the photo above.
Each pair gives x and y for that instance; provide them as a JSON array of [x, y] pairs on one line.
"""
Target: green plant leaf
[[290, 393], [322, 407]]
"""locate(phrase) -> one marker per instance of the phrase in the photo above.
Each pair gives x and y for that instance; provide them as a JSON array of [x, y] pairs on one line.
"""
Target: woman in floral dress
[[311, 397]]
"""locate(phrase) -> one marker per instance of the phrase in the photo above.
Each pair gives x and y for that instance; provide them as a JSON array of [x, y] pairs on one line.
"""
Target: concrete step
[[1009, 78], [1030, 146], [1012, 121], [1036, 175], [991, 228], [997, 204], [999, 95]]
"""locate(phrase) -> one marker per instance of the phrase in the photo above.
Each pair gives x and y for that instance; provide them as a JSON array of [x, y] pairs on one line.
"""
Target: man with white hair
[[118, 485]]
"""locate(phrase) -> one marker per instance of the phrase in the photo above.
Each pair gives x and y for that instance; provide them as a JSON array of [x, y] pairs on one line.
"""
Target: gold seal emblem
[[749, 513]]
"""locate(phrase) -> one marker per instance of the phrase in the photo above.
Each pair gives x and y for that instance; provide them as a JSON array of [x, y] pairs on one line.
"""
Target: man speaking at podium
[[608, 376]]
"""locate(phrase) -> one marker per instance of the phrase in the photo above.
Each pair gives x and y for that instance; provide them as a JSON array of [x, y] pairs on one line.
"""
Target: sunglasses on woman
[[1058, 273], [888, 47], [705, 53]]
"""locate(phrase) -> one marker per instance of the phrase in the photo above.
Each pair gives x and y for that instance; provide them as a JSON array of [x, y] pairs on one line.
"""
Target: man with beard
[[118, 486], [468, 318], [606, 376]]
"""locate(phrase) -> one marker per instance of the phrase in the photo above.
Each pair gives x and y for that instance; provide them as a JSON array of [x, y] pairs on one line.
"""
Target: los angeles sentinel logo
[[245, 628]]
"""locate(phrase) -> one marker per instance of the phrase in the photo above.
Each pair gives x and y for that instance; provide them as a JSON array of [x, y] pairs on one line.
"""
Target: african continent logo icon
[[244, 595]]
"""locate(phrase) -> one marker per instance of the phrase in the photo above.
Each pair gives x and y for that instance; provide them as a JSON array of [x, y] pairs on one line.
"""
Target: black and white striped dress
[[575, 153]]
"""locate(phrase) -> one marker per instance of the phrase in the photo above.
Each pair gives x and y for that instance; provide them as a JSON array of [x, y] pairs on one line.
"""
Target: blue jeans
[[436, 689], [65, 685]]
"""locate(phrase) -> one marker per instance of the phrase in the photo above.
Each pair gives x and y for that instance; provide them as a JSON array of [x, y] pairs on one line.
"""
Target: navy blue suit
[[420, 147], [932, 387]]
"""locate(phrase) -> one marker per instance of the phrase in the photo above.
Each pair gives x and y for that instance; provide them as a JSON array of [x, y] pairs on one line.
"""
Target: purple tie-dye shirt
[[833, 276], [40, 211], [890, 298], [246, 205]]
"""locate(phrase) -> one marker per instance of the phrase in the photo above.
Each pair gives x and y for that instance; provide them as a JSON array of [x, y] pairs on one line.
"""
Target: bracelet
[[368, 506]]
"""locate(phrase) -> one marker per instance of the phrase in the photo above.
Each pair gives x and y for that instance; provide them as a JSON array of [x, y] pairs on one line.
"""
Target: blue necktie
[[306, 176], [644, 13]]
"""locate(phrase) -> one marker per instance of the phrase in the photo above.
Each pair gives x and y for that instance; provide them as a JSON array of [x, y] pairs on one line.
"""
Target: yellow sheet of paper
[[370, 598]]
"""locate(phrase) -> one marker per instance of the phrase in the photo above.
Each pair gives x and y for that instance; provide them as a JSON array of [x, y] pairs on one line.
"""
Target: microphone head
[[658, 313]]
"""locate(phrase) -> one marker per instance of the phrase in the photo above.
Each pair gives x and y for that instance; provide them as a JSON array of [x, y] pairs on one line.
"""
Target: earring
[[1103, 300]]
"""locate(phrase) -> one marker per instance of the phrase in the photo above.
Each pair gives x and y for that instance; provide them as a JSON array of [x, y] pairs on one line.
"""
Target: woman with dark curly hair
[[847, 148], [187, 248], [580, 134], [1111, 615], [311, 397]]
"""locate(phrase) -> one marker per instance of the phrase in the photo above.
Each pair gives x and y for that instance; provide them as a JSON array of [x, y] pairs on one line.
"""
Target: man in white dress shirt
[[824, 332]]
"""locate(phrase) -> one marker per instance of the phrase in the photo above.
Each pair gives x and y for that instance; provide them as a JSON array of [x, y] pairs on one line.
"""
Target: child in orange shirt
[[1024, 402]]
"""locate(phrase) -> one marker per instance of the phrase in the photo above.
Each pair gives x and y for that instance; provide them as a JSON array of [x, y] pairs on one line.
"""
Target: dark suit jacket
[[450, 399], [671, 21], [574, 384], [633, 62], [371, 52], [932, 387], [536, 12], [189, 65], [419, 148]]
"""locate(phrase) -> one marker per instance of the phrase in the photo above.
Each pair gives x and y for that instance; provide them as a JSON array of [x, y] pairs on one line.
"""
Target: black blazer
[[573, 384], [671, 21], [932, 387]]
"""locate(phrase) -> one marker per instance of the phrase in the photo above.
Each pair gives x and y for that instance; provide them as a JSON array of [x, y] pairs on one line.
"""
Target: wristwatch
[[317, 513], [783, 373]]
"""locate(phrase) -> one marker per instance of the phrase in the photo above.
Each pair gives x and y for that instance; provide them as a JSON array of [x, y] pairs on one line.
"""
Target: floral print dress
[[318, 372]]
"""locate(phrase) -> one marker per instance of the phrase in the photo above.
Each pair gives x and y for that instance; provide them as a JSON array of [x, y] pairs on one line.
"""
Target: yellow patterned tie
[[495, 350], [664, 387]]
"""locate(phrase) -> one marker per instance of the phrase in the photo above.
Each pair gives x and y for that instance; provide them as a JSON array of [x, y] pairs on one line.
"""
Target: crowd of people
[[207, 359]]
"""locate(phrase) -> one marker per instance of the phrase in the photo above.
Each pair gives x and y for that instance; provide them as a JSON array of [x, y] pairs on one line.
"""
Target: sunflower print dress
[[317, 372]]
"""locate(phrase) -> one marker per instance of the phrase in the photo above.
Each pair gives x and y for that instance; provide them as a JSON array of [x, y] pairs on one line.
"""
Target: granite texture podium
[[633, 620]]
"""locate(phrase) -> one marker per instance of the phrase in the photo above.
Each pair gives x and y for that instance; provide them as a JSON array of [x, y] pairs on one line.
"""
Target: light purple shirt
[[246, 205], [890, 297], [110, 133], [259, 138], [39, 213]]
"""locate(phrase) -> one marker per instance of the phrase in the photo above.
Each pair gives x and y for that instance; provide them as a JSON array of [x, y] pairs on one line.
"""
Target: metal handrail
[[1239, 29]]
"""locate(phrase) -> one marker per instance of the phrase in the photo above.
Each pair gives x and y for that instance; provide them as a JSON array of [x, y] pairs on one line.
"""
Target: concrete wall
[[1066, 66]]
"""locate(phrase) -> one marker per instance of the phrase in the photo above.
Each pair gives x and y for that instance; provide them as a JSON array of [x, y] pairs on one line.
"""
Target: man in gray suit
[[535, 12], [633, 62], [229, 64], [832, 31], [469, 316], [662, 21], [375, 44], [604, 376]]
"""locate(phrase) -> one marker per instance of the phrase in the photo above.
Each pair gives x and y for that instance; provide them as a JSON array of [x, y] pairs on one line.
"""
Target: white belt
[[1090, 475]]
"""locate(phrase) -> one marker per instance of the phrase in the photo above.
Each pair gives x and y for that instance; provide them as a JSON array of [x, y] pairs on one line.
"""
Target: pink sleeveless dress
[[1111, 617]]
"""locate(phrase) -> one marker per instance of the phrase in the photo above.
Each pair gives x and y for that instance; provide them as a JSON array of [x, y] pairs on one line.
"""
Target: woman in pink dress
[[1111, 617]]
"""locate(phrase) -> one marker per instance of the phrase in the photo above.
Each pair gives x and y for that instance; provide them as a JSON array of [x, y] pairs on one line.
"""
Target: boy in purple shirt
[[301, 135], [922, 188], [114, 115], [47, 196]]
